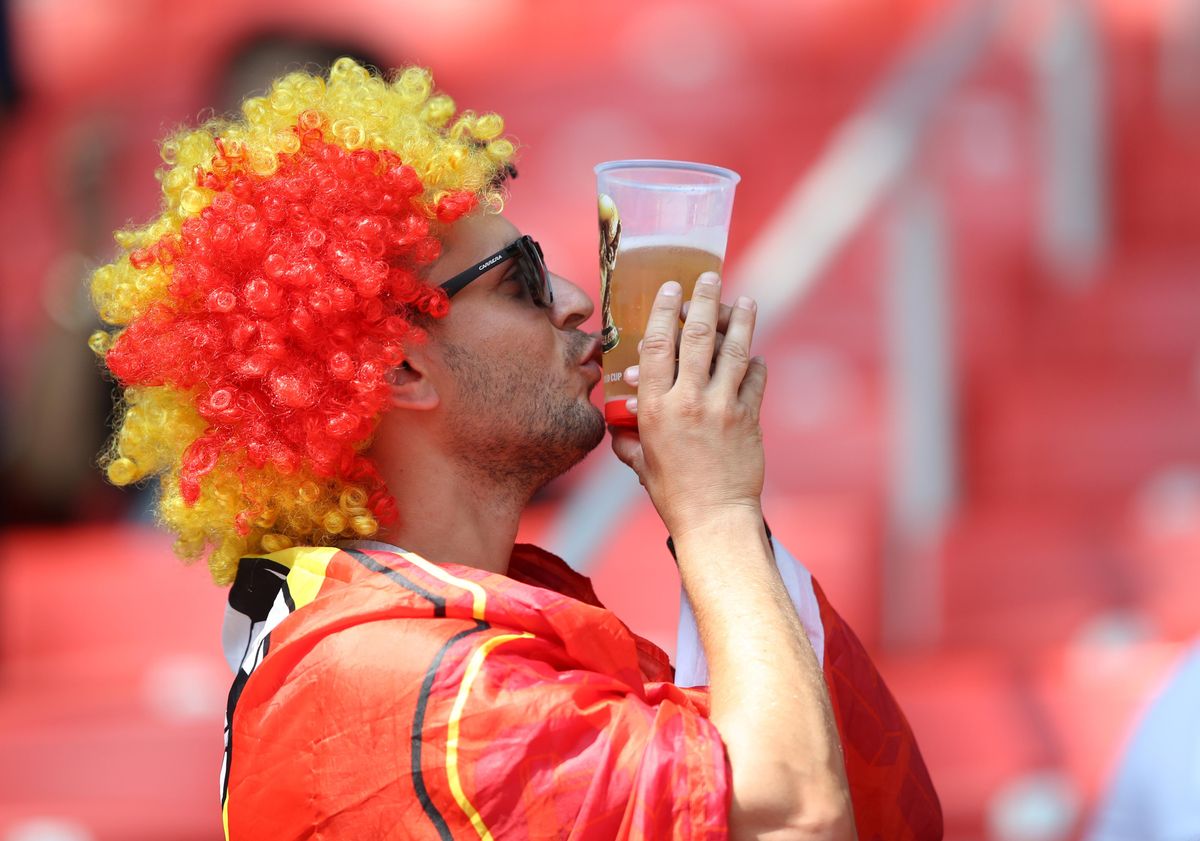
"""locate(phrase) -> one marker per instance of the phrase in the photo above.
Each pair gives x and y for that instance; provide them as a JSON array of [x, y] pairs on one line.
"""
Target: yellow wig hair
[[255, 320]]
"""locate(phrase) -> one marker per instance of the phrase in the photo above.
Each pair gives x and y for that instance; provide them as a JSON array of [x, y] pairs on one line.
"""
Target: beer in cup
[[659, 221]]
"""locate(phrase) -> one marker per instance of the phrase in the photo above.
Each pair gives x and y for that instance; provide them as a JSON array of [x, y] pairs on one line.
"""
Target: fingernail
[[631, 373], [710, 278], [746, 303], [631, 405], [671, 288], [639, 345]]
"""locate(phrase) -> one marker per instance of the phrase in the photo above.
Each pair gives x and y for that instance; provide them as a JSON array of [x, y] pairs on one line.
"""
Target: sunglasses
[[530, 268]]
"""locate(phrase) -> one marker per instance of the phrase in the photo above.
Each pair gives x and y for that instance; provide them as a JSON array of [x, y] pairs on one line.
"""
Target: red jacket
[[380, 695]]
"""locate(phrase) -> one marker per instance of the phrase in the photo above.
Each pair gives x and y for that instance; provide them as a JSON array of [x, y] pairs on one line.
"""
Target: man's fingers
[[720, 334], [733, 357], [754, 385], [631, 375], [699, 335], [627, 445], [656, 362], [722, 315]]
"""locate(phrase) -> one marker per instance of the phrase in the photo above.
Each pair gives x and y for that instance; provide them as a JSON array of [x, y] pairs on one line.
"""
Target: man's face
[[510, 374]]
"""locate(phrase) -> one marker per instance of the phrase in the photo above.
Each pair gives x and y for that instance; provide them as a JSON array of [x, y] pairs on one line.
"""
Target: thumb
[[627, 445]]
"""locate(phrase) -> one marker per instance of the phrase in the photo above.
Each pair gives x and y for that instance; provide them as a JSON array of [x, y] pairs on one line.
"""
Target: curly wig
[[255, 320]]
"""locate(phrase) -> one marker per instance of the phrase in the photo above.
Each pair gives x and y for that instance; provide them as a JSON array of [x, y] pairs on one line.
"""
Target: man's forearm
[[768, 696]]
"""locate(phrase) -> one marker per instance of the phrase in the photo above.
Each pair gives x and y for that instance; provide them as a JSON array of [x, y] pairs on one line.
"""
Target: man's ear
[[410, 387]]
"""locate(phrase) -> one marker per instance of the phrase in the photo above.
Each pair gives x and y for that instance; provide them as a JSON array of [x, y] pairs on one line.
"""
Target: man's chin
[[598, 427], [587, 431], [576, 434]]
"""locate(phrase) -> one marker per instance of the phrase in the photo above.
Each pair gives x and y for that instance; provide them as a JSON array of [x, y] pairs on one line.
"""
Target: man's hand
[[698, 450], [698, 446]]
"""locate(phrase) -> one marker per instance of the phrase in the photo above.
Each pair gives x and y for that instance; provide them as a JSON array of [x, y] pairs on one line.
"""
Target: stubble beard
[[517, 428]]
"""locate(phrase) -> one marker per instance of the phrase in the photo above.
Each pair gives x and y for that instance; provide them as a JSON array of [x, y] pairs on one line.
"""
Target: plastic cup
[[659, 221]]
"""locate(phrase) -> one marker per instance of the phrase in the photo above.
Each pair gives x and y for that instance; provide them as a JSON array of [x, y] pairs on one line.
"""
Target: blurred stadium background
[[975, 230]]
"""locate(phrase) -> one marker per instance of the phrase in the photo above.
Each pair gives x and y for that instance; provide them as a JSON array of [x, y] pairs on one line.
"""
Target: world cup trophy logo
[[610, 239]]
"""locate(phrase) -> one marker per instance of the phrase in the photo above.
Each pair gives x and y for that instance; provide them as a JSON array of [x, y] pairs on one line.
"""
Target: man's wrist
[[738, 523]]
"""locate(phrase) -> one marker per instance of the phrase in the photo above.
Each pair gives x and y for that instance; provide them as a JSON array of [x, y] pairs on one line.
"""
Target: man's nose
[[571, 306]]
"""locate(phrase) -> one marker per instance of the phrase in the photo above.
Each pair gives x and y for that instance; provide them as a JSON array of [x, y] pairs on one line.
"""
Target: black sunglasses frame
[[531, 267]]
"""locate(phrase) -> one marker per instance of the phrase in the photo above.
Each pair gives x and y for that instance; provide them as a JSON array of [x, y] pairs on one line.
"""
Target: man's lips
[[592, 359], [594, 353]]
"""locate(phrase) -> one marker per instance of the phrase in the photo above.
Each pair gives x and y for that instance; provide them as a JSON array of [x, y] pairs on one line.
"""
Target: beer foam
[[711, 240]]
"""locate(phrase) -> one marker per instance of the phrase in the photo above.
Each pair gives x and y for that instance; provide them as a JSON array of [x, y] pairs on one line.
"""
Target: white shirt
[[1156, 793]]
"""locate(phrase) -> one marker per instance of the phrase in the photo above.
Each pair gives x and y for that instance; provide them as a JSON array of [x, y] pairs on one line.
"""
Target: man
[[332, 334]]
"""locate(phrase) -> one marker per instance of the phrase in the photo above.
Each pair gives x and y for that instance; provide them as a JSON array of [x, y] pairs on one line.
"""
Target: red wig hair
[[258, 316]]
